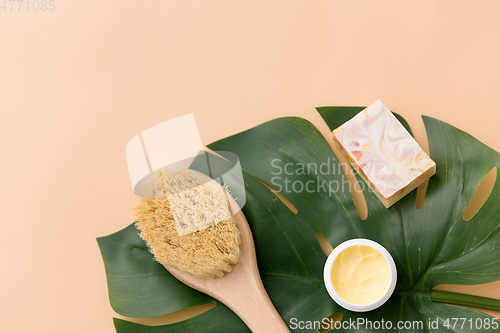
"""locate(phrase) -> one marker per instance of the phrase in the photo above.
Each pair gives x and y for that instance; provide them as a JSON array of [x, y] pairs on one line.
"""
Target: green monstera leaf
[[431, 245]]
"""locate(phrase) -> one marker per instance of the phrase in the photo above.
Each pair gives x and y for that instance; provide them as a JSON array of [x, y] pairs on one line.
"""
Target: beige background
[[77, 83]]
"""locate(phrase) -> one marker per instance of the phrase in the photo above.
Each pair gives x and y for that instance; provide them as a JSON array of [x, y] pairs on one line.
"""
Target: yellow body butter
[[360, 275]]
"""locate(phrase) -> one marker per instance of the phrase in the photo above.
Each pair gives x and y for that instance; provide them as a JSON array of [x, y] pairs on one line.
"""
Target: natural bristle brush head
[[187, 223]]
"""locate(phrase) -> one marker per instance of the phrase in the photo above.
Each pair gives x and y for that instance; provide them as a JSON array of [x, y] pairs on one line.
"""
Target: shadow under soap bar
[[384, 154]]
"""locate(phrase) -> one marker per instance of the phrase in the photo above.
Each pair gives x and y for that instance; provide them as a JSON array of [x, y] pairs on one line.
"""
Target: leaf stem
[[464, 299]]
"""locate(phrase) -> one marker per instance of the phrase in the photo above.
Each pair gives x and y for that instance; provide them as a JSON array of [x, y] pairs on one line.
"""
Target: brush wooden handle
[[252, 304], [241, 290]]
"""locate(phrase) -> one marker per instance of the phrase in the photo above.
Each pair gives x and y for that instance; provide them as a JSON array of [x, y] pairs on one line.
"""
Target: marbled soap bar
[[384, 154]]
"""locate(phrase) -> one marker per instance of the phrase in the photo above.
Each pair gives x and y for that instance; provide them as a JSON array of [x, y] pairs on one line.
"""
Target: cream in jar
[[360, 274]]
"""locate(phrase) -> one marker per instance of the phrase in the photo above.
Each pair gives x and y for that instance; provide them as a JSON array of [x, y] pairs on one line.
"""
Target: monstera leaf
[[431, 245]]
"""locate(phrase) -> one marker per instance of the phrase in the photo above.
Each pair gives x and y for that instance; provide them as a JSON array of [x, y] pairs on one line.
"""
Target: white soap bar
[[385, 155]]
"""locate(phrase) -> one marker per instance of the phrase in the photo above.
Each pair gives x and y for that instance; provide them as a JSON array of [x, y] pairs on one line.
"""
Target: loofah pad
[[187, 224]]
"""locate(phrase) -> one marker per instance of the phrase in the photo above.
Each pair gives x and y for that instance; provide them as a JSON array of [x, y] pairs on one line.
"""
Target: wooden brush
[[189, 228]]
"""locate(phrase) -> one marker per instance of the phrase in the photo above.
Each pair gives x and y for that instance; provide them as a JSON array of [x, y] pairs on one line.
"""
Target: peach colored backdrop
[[77, 83]]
